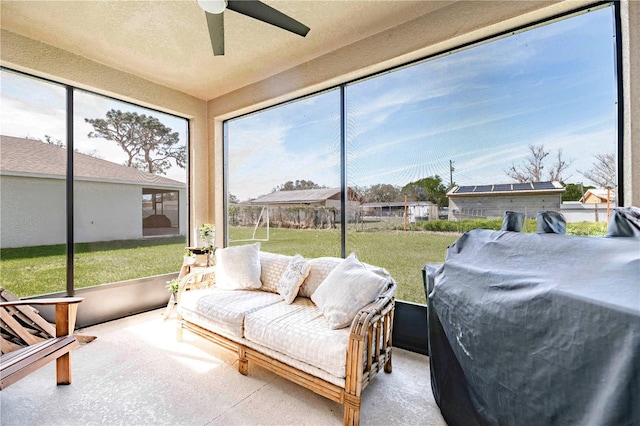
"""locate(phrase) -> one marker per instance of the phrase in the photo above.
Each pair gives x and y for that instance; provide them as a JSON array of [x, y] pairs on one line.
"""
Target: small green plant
[[173, 285], [207, 234]]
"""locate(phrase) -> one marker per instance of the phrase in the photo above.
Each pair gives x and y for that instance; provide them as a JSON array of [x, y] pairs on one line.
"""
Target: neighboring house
[[598, 196], [281, 205], [111, 201], [416, 210], [592, 207], [487, 201], [323, 197]]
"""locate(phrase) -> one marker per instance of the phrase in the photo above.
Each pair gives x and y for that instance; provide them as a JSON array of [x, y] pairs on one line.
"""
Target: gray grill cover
[[537, 329]]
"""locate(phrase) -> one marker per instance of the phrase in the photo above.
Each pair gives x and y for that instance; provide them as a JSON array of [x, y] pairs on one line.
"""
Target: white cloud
[[259, 160]]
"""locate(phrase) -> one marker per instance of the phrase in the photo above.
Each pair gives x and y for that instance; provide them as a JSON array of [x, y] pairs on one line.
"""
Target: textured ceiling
[[167, 42]]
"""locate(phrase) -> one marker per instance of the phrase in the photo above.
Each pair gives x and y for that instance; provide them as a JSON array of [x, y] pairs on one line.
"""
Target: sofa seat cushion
[[300, 331], [224, 310]]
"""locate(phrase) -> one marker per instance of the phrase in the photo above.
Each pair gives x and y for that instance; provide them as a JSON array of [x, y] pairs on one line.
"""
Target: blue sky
[[34, 108], [480, 108]]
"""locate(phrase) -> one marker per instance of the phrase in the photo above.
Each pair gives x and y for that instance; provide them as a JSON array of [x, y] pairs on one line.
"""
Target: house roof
[[600, 193], [28, 157], [507, 189], [397, 204], [302, 196]]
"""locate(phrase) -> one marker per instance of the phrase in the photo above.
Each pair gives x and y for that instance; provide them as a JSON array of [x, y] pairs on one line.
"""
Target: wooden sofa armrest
[[18, 364], [199, 277], [369, 348]]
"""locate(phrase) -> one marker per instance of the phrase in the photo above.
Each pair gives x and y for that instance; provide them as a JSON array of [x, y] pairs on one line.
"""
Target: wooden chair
[[19, 363]]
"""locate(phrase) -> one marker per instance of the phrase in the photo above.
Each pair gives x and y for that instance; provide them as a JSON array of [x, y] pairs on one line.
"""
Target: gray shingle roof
[[28, 157], [302, 196]]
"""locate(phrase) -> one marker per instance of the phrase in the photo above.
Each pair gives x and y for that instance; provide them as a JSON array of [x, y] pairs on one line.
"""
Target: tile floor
[[136, 373]]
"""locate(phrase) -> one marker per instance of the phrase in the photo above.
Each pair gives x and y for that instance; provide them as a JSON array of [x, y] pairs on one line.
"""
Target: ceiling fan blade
[[215, 22], [260, 11]]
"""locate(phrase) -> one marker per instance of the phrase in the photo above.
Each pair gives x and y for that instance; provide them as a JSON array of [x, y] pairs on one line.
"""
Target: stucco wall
[[106, 212], [630, 11], [33, 211]]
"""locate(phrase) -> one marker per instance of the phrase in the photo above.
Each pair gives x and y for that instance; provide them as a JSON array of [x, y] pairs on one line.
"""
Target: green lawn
[[403, 254], [39, 270]]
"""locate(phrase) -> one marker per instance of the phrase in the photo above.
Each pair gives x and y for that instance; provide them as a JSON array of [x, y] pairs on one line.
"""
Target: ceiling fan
[[253, 8]]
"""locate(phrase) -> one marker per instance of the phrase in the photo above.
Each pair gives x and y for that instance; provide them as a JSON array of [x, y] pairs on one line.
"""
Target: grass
[[403, 254], [31, 271]]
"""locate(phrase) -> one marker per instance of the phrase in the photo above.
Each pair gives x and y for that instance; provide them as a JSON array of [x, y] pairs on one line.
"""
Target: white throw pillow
[[346, 290], [293, 277], [320, 269], [238, 268], [272, 266]]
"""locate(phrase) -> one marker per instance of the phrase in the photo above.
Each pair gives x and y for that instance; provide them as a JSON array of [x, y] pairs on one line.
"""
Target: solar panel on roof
[[465, 189], [543, 185], [521, 186], [502, 187], [483, 188]]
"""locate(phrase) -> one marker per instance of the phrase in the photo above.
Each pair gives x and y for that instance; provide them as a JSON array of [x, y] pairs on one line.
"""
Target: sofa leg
[[351, 410], [243, 362], [387, 365], [179, 330]]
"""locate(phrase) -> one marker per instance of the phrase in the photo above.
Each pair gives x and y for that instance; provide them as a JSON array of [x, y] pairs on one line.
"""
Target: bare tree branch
[[532, 168], [603, 172], [559, 167]]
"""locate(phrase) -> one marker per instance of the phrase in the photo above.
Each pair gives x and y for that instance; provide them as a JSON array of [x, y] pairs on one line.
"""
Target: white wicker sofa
[[333, 338]]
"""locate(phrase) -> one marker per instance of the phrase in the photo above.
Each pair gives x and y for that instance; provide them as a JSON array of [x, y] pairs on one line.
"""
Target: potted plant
[[173, 286], [206, 235], [189, 257]]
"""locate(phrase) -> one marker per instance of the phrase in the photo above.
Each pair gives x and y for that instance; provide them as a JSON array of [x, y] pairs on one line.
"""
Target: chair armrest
[[66, 308], [197, 278], [50, 301]]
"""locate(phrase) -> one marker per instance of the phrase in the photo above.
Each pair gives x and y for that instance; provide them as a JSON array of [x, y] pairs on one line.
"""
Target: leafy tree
[[574, 191], [149, 144], [297, 185], [233, 199], [382, 193], [603, 172], [427, 189], [532, 168]]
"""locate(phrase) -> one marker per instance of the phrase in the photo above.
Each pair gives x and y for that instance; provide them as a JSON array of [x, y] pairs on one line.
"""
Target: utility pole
[[405, 212], [451, 170]]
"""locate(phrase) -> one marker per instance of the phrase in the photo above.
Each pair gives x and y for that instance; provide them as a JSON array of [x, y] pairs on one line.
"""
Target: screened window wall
[[129, 189], [283, 186], [33, 164], [525, 122]]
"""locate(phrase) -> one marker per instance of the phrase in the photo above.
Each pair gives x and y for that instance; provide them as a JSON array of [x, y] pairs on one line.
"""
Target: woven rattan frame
[[368, 352]]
